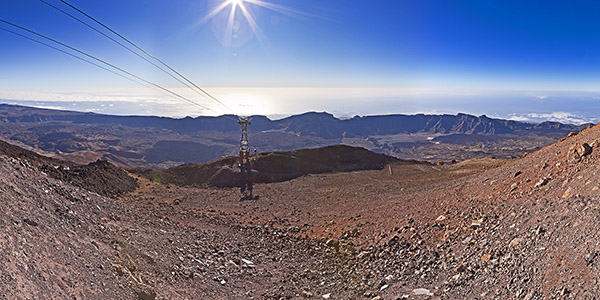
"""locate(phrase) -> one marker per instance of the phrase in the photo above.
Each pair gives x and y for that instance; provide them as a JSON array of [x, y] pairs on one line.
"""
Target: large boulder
[[577, 152]]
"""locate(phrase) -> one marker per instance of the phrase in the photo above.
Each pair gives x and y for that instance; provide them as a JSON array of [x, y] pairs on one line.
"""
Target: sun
[[249, 103], [235, 22], [235, 2]]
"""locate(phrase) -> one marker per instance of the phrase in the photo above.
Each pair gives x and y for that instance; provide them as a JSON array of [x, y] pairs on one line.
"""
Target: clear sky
[[526, 60]]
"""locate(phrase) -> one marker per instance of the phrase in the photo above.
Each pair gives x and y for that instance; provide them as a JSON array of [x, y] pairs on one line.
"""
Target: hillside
[[272, 167], [508, 229], [519, 229], [63, 242], [523, 230], [157, 142], [516, 229], [100, 176]]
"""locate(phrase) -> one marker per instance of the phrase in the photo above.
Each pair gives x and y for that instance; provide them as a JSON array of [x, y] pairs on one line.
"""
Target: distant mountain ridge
[[324, 124], [319, 124], [160, 142]]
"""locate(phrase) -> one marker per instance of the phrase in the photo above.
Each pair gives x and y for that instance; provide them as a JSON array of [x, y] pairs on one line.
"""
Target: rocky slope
[[63, 242], [522, 229], [525, 230], [485, 229], [101, 177], [56, 239]]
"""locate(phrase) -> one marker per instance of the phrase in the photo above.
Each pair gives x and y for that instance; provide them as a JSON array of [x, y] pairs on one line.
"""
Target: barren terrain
[[503, 229]]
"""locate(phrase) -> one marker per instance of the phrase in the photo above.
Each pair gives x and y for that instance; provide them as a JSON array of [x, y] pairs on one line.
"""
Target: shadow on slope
[[100, 177], [271, 167]]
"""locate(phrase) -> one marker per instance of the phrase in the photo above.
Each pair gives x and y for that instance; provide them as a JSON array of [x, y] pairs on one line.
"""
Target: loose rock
[[577, 152]]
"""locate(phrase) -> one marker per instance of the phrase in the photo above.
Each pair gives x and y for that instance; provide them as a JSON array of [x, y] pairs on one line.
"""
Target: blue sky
[[527, 60]]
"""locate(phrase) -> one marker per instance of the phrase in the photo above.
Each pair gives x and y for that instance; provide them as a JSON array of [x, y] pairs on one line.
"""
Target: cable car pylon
[[245, 164]]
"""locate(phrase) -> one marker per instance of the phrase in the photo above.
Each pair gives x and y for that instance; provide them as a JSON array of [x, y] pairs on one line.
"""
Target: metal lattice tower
[[245, 165], [244, 144]]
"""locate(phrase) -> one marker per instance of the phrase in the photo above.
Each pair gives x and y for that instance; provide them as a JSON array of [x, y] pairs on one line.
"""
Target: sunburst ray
[[228, 25]]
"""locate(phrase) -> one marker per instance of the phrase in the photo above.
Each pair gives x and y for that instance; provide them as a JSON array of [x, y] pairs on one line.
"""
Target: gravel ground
[[483, 229]]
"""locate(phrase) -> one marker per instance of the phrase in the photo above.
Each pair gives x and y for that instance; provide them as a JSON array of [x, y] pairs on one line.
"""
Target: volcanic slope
[[60, 241], [100, 176], [349, 214], [528, 229], [525, 228], [519, 229]]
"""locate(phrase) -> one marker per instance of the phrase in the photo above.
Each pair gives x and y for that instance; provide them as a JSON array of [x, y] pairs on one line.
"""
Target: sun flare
[[235, 22], [235, 2]]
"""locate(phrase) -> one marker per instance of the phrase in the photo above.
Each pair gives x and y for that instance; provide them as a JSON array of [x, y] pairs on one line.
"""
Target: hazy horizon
[[532, 107]]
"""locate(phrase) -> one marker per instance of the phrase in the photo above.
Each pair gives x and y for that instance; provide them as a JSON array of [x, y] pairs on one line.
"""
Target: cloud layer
[[534, 107], [559, 116]]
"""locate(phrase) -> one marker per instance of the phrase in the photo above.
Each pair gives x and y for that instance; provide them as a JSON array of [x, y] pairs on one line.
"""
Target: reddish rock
[[578, 151]]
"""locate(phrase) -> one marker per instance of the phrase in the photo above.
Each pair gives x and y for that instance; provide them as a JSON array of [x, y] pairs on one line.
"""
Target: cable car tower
[[245, 164]]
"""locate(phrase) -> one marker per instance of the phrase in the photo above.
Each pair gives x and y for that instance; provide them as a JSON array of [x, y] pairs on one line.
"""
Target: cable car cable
[[145, 52], [121, 44], [106, 63], [77, 57]]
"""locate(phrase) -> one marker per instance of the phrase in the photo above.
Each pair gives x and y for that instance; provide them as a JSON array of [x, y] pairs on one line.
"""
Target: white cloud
[[519, 118], [559, 116]]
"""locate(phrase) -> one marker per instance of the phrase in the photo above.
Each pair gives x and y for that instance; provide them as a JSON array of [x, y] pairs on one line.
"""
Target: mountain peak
[[321, 114]]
